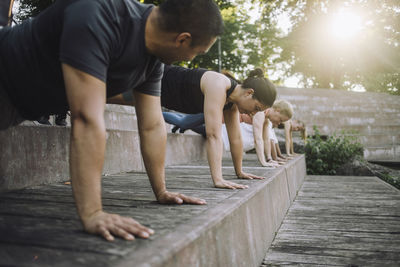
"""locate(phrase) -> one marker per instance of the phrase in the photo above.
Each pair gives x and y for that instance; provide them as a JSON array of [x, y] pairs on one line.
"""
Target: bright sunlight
[[345, 24]]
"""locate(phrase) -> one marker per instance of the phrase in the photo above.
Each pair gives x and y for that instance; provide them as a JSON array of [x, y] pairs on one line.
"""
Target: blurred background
[[350, 45]]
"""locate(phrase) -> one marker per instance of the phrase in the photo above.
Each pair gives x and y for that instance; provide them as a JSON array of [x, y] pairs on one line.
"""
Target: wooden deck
[[39, 226], [340, 221]]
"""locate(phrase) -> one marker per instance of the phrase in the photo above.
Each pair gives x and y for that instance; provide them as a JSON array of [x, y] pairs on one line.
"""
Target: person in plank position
[[219, 97], [77, 53]]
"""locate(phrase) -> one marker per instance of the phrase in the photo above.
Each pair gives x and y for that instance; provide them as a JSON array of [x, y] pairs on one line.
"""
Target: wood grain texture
[[340, 221]]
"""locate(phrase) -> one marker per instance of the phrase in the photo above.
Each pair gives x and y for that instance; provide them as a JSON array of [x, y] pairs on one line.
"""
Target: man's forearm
[[153, 146], [87, 148]]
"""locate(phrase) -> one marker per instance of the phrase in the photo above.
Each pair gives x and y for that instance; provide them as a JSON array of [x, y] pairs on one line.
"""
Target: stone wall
[[374, 116]]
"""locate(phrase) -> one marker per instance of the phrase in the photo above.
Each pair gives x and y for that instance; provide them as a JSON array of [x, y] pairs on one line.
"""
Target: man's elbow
[[87, 119], [212, 135], [152, 126]]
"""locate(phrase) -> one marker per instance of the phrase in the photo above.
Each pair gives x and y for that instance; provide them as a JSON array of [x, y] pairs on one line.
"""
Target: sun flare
[[345, 25]]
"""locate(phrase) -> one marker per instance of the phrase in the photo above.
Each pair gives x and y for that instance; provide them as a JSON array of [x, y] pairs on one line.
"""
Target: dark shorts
[[9, 115]]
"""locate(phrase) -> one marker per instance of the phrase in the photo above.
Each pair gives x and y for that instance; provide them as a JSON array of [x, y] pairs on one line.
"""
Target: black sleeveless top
[[180, 90]]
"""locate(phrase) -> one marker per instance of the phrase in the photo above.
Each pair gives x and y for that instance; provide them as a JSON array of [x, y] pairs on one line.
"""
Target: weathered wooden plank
[[310, 222], [26, 256], [329, 178], [340, 221], [328, 251], [279, 258], [347, 190], [337, 195], [311, 232], [294, 264], [338, 242], [299, 209], [110, 193], [351, 202], [305, 259]]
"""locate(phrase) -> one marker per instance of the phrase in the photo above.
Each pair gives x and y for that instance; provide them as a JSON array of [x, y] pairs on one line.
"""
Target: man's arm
[[153, 139], [86, 97]]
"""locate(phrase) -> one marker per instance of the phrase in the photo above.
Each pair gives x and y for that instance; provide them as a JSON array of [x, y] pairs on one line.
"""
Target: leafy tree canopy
[[370, 56], [310, 49]]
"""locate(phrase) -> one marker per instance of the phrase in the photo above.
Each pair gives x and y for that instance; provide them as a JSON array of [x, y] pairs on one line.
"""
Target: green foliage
[[371, 58], [31, 8], [395, 181], [326, 156], [244, 44]]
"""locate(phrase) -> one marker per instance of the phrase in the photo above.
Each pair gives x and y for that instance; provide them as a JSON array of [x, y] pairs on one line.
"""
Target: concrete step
[[379, 139], [40, 227], [383, 153], [339, 97], [32, 155], [335, 104], [364, 129], [388, 129], [375, 116], [116, 117], [348, 121], [306, 112]]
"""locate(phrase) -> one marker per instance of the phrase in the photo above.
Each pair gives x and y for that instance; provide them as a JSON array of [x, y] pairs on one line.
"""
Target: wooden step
[[40, 227]]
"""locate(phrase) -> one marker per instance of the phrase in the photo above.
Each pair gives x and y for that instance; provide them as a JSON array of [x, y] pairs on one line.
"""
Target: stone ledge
[[40, 226], [237, 232], [32, 155]]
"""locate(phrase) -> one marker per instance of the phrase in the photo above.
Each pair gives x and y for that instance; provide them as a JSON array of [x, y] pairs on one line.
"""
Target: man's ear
[[183, 39]]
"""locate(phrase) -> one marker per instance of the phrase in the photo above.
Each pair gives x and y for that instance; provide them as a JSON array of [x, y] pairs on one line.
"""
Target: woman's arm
[[214, 86], [288, 137], [258, 132], [268, 145], [267, 140], [235, 141]]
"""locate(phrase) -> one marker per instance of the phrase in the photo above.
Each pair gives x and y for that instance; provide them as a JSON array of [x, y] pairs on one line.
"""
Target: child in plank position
[[260, 135]]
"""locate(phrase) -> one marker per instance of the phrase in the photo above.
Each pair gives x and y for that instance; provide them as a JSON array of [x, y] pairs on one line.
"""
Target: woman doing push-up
[[194, 91]]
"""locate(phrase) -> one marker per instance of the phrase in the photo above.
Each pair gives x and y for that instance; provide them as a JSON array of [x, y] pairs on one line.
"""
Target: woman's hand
[[269, 164], [276, 163], [249, 176], [229, 185], [177, 198]]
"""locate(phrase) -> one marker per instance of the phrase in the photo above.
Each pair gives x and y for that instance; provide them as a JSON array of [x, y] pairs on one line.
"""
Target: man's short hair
[[201, 18]]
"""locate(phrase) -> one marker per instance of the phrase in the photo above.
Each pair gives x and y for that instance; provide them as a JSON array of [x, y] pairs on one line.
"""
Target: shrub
[[326, 155]]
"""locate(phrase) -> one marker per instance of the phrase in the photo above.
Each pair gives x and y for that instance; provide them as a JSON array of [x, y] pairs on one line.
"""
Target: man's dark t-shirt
[[104, 38]]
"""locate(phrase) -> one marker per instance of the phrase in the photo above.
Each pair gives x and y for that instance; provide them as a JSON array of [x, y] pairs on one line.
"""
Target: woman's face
[[275, 116], [249, 105], [296, 126]]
